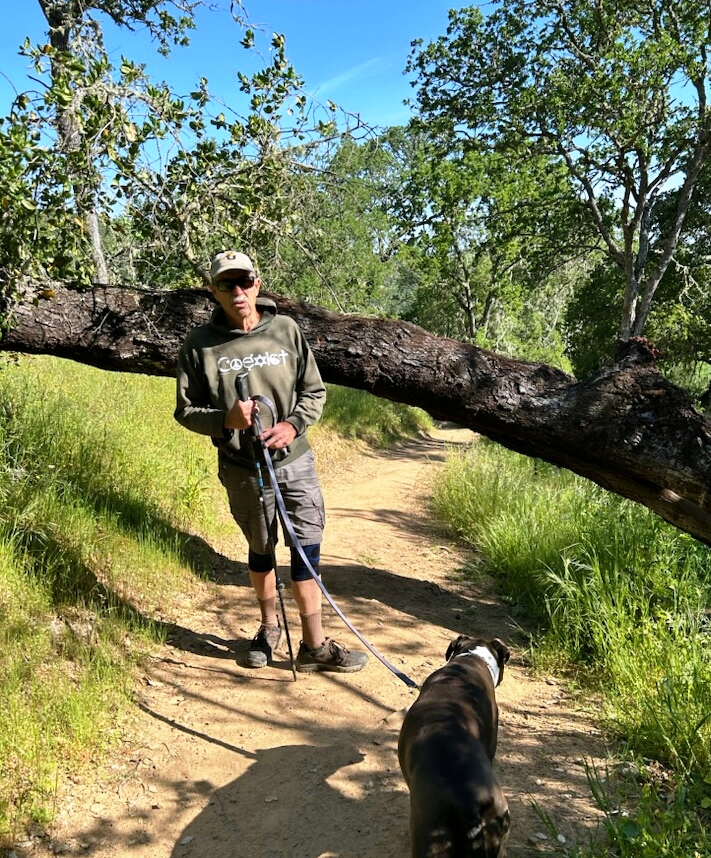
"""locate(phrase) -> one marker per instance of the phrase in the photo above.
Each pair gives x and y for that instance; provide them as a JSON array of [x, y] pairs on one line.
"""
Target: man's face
[[236, 292]]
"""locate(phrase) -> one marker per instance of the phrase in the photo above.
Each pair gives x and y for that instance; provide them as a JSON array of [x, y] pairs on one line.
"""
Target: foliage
[[680, 325], [87, 555], [552, 141], [102, 149], [161, 181], [339, 251], [446, 215], [677, 325], [616, 95], [460, 270], [35, 205], [678, 321], [362, 416], [60, 697], [157, 16], [588, 321]]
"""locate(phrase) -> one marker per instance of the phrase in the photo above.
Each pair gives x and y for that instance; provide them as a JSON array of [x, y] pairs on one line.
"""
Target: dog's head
[[496, 647]]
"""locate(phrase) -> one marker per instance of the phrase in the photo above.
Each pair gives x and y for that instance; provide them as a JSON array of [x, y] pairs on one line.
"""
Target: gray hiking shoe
[[331, 656], [261, 650]]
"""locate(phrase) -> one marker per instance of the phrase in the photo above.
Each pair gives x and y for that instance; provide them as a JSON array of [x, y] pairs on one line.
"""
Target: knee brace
[[260, 562], [299, 569]]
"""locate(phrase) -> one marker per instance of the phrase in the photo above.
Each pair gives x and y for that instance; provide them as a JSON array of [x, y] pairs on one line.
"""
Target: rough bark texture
[[625, 428]]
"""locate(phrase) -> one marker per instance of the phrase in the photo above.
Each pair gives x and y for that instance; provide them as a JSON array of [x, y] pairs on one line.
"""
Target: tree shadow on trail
[[462, 609], [202, 558], [199, 643], [284, 805], [87, 600]]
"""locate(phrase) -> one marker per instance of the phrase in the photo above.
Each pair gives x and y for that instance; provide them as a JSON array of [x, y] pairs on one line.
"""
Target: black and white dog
[[447, 744]]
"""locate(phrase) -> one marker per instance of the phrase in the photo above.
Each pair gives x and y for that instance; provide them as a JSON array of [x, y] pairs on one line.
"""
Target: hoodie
[[278, 365]]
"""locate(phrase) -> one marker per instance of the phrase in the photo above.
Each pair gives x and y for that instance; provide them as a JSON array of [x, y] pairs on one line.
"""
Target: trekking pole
[[243, 393], [282, 515]]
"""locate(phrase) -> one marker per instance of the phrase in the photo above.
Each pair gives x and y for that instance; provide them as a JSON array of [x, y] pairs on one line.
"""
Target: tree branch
[[625, 428]]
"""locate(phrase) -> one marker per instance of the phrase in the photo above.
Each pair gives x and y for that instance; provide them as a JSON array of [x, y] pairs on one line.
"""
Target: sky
[[352, 52]]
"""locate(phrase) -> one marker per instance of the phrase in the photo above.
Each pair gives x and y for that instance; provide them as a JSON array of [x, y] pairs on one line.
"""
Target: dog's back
[[447, 742]]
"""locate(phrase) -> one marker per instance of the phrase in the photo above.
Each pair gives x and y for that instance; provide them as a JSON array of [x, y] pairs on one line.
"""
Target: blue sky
[[352, 52]]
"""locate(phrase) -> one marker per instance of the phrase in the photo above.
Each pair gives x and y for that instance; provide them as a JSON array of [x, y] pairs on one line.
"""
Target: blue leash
[[241, 384]]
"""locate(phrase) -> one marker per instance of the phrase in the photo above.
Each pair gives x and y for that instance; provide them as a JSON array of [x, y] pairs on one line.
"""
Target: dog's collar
[[486, 656]]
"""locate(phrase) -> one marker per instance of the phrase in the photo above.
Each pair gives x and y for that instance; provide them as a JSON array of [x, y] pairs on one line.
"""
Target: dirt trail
[[233, 763]]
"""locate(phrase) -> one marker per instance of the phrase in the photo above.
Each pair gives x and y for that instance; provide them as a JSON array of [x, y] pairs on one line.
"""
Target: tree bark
[[625, 428]]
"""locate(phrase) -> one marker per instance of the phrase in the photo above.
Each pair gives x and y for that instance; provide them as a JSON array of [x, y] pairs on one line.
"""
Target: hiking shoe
[[331, 656], [261, 650]]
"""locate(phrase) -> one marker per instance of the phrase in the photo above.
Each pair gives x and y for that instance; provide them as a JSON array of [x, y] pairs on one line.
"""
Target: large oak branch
[[626, 428]]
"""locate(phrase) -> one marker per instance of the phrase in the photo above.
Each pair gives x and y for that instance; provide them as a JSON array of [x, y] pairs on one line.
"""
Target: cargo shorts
[[300, 489]]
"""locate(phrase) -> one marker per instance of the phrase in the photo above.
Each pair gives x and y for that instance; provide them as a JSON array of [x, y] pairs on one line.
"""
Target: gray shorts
[[300, 488]]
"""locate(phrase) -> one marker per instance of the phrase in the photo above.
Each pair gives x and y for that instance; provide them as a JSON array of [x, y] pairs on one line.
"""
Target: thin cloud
[[365, 69]]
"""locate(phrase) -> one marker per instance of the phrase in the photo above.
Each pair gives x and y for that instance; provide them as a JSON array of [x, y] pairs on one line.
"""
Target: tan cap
[[229, 260]]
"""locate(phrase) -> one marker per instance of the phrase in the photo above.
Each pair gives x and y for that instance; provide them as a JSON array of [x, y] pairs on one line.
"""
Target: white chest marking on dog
[[486, 656]]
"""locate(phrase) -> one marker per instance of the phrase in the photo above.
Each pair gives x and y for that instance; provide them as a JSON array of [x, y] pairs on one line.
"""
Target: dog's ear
[[453, 647], [503, 654]]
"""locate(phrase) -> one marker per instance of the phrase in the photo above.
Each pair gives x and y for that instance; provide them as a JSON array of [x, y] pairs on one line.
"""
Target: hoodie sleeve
[[193, 409]]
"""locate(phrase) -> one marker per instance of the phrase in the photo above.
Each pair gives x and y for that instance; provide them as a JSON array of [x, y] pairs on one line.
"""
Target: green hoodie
[[278, 364]]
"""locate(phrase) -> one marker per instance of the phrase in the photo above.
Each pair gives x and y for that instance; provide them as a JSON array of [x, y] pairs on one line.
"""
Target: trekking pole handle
[[242, 388]]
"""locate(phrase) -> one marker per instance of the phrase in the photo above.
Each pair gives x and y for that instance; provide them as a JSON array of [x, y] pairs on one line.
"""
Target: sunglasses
[[228, 285]]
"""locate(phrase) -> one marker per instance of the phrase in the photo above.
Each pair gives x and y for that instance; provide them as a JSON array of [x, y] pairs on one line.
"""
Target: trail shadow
[[418, 526], [202, 558], [199, 643], [198, 734], [284, 805], [84, 599], [427, 447], [457, 607], [323, 796], [543, 765]]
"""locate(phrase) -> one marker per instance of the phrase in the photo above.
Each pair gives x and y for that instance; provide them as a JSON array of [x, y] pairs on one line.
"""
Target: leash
[[243, 394], [241, 383]]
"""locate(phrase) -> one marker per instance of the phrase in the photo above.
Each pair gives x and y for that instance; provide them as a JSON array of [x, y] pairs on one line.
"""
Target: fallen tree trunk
[[625, 428]]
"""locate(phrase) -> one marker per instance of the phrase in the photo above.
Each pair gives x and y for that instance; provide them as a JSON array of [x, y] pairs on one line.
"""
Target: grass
[[378, 422], [620, 600], [102, 493], [101, 496]]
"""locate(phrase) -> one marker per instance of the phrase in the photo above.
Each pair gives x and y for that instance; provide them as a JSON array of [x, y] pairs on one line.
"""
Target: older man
[[246, 336]]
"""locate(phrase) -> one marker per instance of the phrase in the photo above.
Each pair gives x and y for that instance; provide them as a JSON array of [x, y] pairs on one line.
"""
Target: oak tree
[[616, 93]]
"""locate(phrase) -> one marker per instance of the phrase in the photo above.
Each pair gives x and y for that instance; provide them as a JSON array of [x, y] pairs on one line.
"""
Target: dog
[[446, 746]]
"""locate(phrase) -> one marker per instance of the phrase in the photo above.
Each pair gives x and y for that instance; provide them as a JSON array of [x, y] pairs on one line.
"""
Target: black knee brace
[[299, 569], [260, 562]]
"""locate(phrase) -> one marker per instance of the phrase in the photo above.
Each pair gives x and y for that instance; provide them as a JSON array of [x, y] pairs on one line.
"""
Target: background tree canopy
[[546, 200], [613, 94]]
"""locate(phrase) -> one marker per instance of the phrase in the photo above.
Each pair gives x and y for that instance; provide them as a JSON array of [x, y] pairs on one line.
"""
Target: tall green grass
[[96, 492], [619, 596], [355, 414], [101, 496]]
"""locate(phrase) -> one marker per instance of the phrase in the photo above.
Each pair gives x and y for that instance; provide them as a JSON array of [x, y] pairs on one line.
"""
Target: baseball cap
[[229, 260]]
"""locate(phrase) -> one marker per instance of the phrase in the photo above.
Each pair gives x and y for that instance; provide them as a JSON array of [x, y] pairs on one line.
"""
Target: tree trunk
[[63, 20], [626, 427]]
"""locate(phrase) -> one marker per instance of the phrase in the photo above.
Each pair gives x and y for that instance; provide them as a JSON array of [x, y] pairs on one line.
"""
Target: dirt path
[[233, 763]]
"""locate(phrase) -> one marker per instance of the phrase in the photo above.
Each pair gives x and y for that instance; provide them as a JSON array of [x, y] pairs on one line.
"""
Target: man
[[245, 336]]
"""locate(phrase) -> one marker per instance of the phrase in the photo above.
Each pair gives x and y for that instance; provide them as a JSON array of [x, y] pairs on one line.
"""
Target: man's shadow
[[283, 806]]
